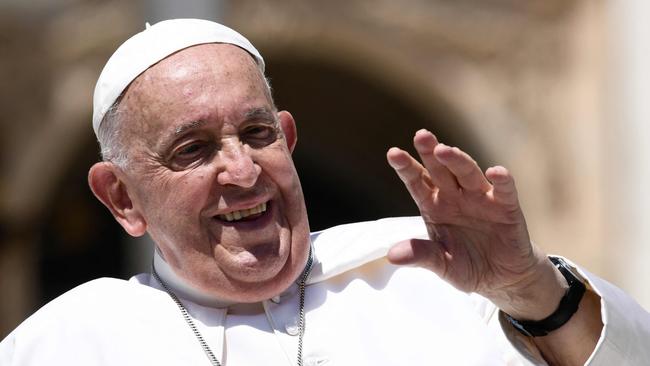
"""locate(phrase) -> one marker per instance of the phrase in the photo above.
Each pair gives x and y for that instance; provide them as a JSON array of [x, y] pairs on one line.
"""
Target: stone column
[[157, 10]]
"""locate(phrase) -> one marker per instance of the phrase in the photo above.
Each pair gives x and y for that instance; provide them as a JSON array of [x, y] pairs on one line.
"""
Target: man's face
[[212, 175]]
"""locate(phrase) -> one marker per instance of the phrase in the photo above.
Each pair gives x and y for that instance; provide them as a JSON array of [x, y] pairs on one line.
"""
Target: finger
[[423, 253], [504, 190], [412, 173], [463, 167], [425, 143]]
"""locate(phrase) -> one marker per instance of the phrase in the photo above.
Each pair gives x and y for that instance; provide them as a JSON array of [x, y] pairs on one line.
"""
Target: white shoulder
[[88, 298], [77, 314], [345, 247]]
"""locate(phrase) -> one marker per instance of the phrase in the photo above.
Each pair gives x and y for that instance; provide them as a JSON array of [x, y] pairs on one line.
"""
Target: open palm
[[478, 236]]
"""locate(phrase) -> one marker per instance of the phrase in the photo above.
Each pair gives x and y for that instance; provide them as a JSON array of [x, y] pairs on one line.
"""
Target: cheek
[[174, 195], [286, 178], [281, 170]]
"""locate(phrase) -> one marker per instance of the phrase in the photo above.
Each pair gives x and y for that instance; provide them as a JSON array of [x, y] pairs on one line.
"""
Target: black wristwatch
[[567, 307]]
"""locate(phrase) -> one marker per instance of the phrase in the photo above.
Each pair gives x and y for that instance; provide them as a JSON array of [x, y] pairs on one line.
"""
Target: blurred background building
[[553, 89]]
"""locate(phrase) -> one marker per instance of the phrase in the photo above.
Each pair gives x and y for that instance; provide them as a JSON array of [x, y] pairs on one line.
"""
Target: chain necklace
[[199, 337]]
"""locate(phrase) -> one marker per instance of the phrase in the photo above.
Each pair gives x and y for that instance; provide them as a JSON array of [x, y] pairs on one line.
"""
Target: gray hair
[[110, 133], [109, 136]]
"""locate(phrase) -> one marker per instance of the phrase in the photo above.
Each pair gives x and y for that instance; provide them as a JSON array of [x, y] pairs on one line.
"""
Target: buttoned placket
[[283, 318]]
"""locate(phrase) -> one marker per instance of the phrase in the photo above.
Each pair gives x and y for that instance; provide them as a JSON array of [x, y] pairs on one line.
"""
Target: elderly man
[[197, 156]]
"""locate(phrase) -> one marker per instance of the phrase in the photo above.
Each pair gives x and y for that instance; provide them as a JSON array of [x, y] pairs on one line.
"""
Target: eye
[[259, 135], [189, 154], [189, 150], [259, 132]]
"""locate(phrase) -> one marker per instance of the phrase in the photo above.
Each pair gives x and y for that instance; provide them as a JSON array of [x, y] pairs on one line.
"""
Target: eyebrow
[[260, 113], [187, 126]]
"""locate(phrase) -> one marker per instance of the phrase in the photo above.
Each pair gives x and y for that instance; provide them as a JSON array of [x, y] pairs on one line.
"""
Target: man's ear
[[288, 126], [111, 191]]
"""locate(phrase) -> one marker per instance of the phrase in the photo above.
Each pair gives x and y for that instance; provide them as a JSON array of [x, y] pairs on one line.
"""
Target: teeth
[[238, 215]]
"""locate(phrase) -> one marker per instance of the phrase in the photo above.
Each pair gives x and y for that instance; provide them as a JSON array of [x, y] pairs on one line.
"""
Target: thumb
[[422, 253]]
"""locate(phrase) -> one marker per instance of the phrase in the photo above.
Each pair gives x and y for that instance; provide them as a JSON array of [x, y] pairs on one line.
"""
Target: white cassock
[[360, 310]]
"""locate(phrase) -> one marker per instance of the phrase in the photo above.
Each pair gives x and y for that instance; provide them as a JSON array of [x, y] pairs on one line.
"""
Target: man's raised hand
[[478, 236]]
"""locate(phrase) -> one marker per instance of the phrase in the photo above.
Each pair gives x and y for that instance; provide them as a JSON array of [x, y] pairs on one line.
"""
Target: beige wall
[[627, 151]]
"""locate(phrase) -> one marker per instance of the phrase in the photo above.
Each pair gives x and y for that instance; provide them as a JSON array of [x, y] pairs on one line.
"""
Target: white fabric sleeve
[[7, 350], [624, 340]]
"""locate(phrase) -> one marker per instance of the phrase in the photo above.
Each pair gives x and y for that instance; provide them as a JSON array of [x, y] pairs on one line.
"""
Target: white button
[[276, 299], [292, 326]]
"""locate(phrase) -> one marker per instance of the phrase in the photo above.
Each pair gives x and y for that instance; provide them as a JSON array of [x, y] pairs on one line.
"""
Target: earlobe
[[288, 126], [111, 191]]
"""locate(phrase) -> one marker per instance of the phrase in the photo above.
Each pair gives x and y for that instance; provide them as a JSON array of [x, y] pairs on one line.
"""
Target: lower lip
[[251, 224]]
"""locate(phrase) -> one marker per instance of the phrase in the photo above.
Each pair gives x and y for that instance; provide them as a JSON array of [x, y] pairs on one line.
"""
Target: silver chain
[[301, 307], [199, 337]]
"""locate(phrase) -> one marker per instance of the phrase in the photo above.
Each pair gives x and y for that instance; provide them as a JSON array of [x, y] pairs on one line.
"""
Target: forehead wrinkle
[[177, 68]]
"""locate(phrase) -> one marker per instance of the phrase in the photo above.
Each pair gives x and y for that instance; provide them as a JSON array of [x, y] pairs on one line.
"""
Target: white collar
[[185, 290]]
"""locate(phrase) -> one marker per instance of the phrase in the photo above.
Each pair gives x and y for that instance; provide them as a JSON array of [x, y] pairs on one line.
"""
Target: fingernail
[[394, 164]]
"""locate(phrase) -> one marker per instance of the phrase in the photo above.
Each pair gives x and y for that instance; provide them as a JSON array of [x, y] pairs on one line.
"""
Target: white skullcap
[[151, 45]]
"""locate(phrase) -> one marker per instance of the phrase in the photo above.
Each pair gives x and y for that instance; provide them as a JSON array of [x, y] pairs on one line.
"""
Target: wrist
[[537, 296]]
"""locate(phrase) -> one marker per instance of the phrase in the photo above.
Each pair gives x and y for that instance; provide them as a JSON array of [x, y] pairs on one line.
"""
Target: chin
[[262, 271], [261, 286]]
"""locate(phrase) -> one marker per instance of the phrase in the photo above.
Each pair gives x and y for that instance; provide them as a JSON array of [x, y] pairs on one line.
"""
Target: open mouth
[[245, 214]]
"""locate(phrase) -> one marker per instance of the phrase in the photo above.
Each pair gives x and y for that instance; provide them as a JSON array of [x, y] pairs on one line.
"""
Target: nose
[[237, 166]]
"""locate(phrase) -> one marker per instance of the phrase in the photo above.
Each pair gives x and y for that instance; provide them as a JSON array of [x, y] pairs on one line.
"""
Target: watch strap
[[565, 310]]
